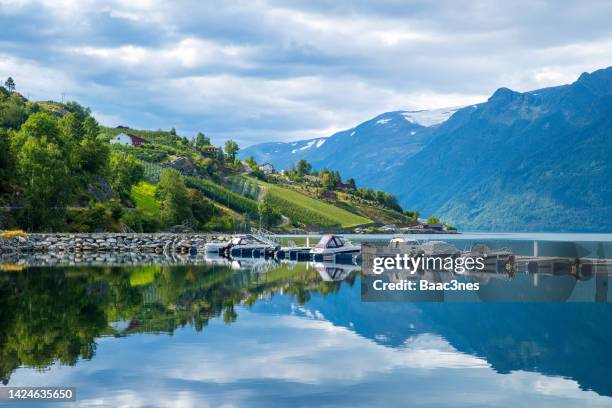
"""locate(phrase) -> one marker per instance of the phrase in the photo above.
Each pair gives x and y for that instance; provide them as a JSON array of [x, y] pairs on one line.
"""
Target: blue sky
[[260, 71]]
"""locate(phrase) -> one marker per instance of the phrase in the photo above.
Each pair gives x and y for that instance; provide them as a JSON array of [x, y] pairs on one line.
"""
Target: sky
[[263, 70]]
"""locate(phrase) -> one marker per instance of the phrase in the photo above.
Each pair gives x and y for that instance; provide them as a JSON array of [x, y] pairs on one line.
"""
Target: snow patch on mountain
[[430, 117], [383, 121]]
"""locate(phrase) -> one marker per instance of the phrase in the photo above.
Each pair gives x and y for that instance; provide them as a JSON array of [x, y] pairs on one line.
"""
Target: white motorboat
[[244, 242], [333, 244], [216, 246]]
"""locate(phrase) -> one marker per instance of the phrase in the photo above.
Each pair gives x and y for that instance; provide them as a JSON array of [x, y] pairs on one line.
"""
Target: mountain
[[530, 161], [395, 135]]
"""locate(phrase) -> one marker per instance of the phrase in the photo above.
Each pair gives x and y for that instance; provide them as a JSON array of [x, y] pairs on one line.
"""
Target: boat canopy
[[330, 241]]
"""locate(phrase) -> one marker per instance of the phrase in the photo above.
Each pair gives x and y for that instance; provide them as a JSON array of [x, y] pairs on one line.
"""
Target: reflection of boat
[[333, 244], [439, 248], [334, 272], [253, 264], [216, 259]]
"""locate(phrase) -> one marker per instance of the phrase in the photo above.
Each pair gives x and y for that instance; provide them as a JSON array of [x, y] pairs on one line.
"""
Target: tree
[[268, 216], [201, 140], [433, 220], [173, 132], [7, 160], [80, 111], [250, 161], [175, 205], [201, 207], [9, 84], [351, 183], [12, 110], [47, 183], [40, 125], [71, 128], [220, 155], [91, 128], [125, 171], [303, 168], [231, 150], [412, 214], [92, 155]]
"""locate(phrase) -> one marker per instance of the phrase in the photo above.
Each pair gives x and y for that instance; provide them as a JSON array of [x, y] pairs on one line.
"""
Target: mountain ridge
[[520, 161]]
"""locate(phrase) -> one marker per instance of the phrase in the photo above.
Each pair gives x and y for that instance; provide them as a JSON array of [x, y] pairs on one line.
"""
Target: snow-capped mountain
[[398, 135], [521, 161]]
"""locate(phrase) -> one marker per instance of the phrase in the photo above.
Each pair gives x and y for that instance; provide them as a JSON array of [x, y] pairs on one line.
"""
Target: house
[[437, 227], [210, 151], [342, 186], [128, 140], [267, 168]]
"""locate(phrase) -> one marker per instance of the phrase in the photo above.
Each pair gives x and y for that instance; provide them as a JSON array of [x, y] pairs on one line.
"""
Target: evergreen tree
[[9, 84]]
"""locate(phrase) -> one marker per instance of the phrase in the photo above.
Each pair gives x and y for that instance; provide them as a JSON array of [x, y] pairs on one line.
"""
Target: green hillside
[[161, 182], [310, 211]]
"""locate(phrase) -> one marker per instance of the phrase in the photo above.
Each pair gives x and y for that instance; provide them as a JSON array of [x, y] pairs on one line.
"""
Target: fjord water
[[269, 334]]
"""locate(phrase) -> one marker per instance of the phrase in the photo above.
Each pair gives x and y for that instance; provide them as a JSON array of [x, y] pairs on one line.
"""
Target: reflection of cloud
[[300, 359], [264, 360]]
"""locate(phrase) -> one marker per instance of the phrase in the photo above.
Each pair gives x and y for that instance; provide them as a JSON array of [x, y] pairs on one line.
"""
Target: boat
[[483, 250], [333, 245], [216, 247], [439, 248], [405, 245], [239, 245]]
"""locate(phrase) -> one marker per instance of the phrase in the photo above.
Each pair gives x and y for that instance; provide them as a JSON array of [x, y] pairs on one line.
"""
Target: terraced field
[[309, 211]]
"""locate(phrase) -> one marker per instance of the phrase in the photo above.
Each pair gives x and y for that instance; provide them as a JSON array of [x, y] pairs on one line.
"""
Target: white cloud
[[259, 71]]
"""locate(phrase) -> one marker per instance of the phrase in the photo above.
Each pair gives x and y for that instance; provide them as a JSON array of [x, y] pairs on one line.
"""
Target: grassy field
[[143, 195], [308, 210]]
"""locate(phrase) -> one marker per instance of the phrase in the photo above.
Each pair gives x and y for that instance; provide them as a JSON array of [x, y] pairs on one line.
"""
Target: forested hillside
[[60, 170]]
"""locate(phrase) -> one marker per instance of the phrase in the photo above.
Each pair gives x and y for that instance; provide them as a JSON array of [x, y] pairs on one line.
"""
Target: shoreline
[[159, 243]]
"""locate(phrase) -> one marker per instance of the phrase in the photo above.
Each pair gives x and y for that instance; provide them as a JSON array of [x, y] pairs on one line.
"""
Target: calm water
[[269, 334]]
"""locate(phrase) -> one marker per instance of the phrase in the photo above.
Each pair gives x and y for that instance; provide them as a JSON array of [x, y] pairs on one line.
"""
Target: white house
[[127, 140], [267, 168]]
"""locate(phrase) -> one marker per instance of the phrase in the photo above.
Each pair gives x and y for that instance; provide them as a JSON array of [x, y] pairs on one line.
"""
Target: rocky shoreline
[[161, 243]]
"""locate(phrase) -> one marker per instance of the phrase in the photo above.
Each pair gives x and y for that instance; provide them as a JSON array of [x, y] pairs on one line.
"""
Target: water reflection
[[292, 333]]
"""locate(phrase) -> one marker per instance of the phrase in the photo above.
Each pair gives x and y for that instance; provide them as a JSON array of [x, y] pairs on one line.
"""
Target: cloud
[[283, 70]]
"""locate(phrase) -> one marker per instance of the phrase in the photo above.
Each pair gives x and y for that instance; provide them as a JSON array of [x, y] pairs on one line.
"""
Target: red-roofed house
[[128, 140]]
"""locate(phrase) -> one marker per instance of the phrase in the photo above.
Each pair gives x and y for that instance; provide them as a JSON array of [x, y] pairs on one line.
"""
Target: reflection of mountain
[[559, 339], [57, 314]]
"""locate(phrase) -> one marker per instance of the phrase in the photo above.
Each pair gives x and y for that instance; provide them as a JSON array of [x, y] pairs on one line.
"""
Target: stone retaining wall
[[108, 242]]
